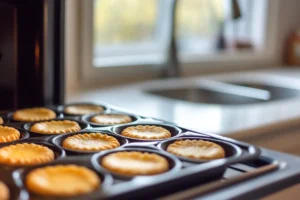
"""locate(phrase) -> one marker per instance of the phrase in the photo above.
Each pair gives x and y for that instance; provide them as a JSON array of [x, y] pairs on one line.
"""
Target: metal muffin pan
[[61, 108], [9, 116], [23, 134], [231, 150], [185, 172], [106, 179], [58, 152], [174, 163], [15, 191], [175, 131], [58, 140], [28, 126], [4, 118], [87, 118]]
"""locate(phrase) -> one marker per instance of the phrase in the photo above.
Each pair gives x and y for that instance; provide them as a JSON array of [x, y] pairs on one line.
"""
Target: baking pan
[[232, 151], [9, 116], [184, 173], [106, 179], [15, 191], [58, 152], [175, 131], [23, 134], [58, 140], [61, 108], [28, 126], [86, 118]]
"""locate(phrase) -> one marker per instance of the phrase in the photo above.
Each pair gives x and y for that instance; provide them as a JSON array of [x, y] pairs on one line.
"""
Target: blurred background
[[229, 67], [106, 40], [221, 66], [137, 33]]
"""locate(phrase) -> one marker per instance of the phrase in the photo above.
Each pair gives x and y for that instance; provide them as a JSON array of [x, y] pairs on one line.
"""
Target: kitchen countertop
[[219, 119]]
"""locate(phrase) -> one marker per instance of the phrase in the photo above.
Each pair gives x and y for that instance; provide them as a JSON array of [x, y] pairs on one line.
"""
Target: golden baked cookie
[[82, 109], [146, 132], [196, 149], [4, 191], [135, 163], [55, 127], [90, 142], [1, 120], [25, 154], [111, 119], [8, 134], [33, 114], [62, 180]]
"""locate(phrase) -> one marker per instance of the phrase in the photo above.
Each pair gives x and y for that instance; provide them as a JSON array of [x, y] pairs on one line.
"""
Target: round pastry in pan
[[4, 191], [111, 119], [82, 109], [33, 114], [90, 142], [25, 154], [150, 132], [62, 180], [134, 163], [196, 149], [1, 120], [8, 134], [55, 127]]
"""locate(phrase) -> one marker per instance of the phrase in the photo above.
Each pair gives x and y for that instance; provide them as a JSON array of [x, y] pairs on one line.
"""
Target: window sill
[[184, 58], [130, 60]]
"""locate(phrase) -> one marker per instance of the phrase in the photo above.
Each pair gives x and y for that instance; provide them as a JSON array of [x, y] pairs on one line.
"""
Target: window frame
[[147, 67]]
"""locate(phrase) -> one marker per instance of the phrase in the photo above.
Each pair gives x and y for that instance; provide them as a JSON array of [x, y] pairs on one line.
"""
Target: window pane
[[208, 26], [124, 22], [198, 18], [198, 23], [137, 30]]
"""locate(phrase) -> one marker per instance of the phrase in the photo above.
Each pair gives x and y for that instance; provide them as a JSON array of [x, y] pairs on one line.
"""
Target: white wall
[[288, 21], [72, 42]]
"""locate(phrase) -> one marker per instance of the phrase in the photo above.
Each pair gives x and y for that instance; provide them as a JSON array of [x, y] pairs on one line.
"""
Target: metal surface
[[200, 95], [182, 173], [247, 176], [276, 92], [253, 185], [203, 190], [228, 93]]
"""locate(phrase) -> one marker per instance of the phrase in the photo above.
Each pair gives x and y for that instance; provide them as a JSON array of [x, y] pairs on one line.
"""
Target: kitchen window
[[132, 34], [126, 32]]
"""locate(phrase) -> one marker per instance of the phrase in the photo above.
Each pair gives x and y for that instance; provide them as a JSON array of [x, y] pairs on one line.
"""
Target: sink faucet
[[171, 64]]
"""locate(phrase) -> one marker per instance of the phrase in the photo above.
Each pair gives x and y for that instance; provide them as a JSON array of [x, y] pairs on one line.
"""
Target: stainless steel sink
[[276, 93], [227, 93]]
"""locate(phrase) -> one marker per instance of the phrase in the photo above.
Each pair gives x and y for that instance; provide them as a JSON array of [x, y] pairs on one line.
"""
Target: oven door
[[31, 53]]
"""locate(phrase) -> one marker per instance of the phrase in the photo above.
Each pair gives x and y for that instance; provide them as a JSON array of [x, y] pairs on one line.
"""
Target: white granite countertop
[[220, 119]]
